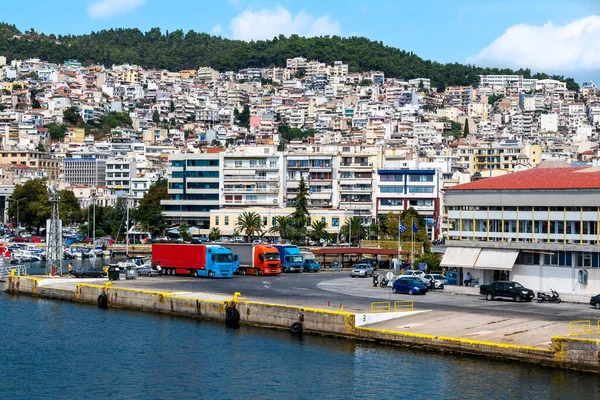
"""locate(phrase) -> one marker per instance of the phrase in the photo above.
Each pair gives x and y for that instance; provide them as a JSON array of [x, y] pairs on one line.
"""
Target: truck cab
[[291, 259], [309, 263], [266, 260], [221, 262]]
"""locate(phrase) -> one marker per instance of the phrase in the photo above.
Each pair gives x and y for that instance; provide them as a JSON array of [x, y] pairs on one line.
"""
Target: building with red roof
[[539, 227]]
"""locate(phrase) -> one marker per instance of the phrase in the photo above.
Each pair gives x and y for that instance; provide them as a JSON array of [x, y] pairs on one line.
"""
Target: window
[[392, 189], [217, 220], [391, 202], [273, 221], [323, 219], [226, 220], [420, 189], [421, 178], [264, 221], [238, 163], [335, 222]]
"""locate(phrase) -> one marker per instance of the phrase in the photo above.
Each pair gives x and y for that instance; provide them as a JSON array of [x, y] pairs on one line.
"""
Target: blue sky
[[544, 35]]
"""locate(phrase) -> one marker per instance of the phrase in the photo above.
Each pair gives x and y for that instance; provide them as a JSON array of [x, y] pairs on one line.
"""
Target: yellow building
[[226, 218], [75, 135]]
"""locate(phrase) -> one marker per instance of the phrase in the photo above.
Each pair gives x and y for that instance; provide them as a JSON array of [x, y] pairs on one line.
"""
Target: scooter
[[554, 297], [375, 281], [384, 282]]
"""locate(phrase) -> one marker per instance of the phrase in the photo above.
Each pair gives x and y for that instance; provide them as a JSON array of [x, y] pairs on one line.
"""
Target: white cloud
[[268, 23], [111, 8], [216, 30], [571, 47]]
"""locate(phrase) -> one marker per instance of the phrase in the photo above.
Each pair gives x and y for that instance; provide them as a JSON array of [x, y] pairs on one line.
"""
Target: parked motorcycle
[[553, 297], [375, 280], [384, 282]]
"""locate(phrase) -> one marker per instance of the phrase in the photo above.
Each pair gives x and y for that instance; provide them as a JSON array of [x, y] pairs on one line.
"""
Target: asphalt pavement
[[332, 289]]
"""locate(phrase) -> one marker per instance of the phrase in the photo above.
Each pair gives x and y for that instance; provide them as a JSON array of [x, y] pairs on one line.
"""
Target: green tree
[[284, 227], [156, 117], [318, 230], [432, 260], [172, 106], [185, 234], [149, 212], [421, 87], [214, 233], [32, 202], [466, 129], [250, 223], [353, 230], [71, 115], [301, 213], [187, 133], [100, 233], [57, 132], [493, 98], [69, 208], [242, 118]]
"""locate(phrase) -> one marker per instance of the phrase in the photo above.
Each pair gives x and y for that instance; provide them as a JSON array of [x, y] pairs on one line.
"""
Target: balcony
[[250, 178], [251, 190]]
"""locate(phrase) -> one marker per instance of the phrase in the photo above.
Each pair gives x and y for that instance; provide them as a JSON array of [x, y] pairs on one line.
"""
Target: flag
[[414, 227], [401, 227]]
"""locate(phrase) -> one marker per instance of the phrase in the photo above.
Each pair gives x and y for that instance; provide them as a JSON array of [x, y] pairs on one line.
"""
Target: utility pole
[[54, 250]]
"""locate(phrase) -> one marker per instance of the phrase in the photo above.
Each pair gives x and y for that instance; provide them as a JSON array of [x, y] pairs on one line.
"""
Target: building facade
[[538, 227], [85, 171]]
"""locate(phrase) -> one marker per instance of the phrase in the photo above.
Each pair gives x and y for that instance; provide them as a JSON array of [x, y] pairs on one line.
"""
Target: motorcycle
[[384, 282], [375, 280], [553, 297]]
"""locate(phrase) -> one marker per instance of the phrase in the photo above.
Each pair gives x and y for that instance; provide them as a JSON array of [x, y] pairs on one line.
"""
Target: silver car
[[362, 270], [438, 279]]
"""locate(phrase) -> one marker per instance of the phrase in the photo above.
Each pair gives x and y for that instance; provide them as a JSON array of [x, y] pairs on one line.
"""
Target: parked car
[[146, 270], [452, 278], [415, 273], [19, 239], [88, 272], [408, 285], [595, 301], [512, 290], [260, 241], [438, 279], [37, 239], [362, 270]]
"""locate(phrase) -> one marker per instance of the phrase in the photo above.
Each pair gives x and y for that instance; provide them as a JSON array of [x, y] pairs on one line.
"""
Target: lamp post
[[17, 200], [94, 221]]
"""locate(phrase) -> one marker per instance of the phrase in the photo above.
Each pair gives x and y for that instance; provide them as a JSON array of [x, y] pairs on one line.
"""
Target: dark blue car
[[408, 285], [452, 278]]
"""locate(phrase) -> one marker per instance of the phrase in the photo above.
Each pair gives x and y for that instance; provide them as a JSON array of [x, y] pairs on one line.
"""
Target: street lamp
[[18, 223]]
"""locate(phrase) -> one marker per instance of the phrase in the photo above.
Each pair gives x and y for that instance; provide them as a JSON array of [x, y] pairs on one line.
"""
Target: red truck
[[195, 260]]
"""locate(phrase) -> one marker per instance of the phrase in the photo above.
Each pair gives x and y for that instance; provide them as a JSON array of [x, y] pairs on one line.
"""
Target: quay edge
[[575, 353]]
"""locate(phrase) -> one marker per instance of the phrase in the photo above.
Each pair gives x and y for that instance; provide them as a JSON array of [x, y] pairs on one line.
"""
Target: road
[[330, 289]]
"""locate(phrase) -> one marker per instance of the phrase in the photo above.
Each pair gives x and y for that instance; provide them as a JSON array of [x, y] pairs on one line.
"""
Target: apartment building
[[251, 177], [318, 172], [539, 227], [226, 218], [37, 160], [194, 189], [85, 171], [119, 174], [355, 175], [400, 189]]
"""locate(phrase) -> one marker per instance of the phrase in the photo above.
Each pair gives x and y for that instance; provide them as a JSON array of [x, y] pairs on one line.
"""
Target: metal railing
[[19, 270], [380, 306], [404, 305], [582, 327]]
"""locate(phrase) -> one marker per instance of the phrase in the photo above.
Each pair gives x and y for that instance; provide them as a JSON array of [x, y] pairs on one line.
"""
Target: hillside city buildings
[[231, 141]]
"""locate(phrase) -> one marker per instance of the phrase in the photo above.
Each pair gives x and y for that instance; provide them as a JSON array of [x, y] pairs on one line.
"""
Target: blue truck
[[291, 259], [195, 260]]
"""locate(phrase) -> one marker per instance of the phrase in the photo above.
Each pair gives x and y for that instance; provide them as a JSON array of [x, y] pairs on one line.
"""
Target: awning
[[239, 172], [461, 257], [496, 259]]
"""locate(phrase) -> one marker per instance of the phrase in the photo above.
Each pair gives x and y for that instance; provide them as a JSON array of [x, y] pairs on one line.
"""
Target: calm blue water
[[59, 350]]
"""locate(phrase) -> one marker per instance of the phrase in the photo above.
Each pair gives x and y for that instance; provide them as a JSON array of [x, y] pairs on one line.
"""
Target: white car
[[420, 275], [439, 279], [362, 270]]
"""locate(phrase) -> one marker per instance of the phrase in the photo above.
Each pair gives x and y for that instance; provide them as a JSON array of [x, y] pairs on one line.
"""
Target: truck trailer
[[291, 259], [256, 259], [195, 260]]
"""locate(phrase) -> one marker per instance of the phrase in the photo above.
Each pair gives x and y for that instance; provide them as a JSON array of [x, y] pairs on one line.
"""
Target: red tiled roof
[[539, 179]]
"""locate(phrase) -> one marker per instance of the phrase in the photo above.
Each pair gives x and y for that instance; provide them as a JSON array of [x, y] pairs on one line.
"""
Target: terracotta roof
[[539, 179]]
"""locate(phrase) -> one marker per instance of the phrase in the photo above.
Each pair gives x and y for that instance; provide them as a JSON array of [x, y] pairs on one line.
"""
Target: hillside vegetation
[[178, 50]]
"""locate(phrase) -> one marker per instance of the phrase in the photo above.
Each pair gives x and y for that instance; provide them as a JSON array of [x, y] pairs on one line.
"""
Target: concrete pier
[[470, 335]]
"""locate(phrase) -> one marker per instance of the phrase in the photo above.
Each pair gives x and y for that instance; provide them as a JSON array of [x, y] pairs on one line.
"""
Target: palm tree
[[354, 227], [318, 230], [250, 223], [214, 234], [284, 227]]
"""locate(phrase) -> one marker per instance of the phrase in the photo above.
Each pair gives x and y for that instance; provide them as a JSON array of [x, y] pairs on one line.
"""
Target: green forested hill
[[178, 50]]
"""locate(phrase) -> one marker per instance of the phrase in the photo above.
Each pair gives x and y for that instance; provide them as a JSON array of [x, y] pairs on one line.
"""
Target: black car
[[88, 272], [595, 301], [512, 290]]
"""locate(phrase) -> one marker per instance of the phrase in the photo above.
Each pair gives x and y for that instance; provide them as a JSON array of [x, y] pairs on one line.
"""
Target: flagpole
[[412, 251]]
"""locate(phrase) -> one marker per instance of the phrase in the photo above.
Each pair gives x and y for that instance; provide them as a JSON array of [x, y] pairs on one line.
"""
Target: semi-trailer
[[212, 261]]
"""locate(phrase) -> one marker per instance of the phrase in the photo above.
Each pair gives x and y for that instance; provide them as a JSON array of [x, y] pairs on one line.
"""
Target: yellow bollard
[[341, 307], [236, 296], [13, 272]]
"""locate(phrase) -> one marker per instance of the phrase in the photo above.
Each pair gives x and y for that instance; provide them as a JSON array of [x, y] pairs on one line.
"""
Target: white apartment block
[[119, 173], [85, 171]]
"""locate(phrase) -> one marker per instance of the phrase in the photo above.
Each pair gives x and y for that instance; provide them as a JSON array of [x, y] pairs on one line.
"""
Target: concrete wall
[[571, 352]]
